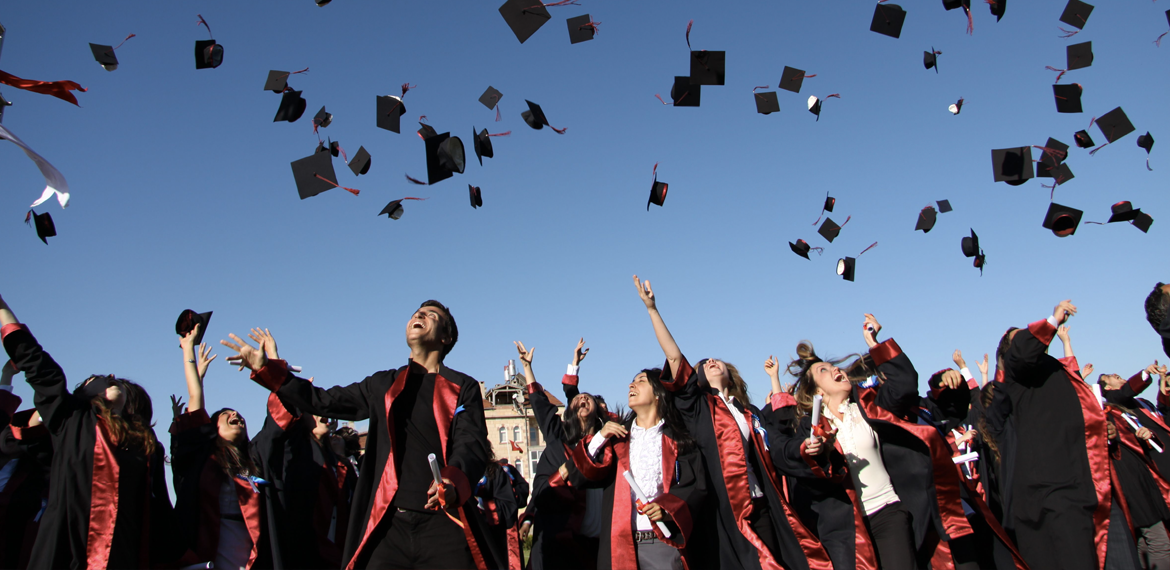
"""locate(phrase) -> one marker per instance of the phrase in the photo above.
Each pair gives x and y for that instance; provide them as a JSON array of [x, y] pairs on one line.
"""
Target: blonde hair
[[801, 367]]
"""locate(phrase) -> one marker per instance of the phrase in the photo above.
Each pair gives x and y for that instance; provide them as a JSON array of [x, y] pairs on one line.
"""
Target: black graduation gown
[[1147, 415], [308, 484], [1140, 485], [458, 406], [198, 479], [26, 492], [83, 525], [1060, 499], [498, 511], [684, 482], [731, 542]]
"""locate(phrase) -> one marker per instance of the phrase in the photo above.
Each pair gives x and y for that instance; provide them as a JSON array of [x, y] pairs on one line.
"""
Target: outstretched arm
[[772, 367], [195, 368], [569, 381], [670, 348], [1062, 332]]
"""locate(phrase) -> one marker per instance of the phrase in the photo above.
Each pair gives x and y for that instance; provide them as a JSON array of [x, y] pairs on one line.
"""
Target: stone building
[[511, 424]]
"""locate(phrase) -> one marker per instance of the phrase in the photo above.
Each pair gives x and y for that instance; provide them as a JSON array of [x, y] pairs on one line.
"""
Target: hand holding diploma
[[442, 491], [646, 506]]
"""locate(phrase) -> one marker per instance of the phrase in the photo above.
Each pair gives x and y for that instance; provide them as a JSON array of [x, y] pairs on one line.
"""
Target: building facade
[[511, 423]]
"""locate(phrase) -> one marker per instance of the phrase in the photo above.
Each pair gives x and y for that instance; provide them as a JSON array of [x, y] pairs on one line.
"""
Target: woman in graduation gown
[[498, 511], [99, 512], [749, 522], [1060, 473], [26, 452], [220, 504]]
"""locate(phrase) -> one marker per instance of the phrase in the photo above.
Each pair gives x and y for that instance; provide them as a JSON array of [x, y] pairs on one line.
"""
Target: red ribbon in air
[[1068, 33], [58, 89], [759, 87], [28, 216], [415, 180], [1058, 75], [503, 134], [871, 246], [407, 87], [204, 22], [689, 24], [970, 20], [123, 41], [353, 191], [1158, 42]]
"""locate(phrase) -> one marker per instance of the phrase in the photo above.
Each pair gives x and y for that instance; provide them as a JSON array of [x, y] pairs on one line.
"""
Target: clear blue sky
[[183, 196]]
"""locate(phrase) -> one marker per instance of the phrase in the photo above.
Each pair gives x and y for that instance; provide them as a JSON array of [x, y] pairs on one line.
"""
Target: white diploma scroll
[[642, 497], [1133, 424], [966, 458], [199, 566], [816, 412], [435, 469]]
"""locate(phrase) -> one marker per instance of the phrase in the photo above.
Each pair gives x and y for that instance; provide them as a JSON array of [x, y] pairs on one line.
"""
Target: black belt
[[644, 536]]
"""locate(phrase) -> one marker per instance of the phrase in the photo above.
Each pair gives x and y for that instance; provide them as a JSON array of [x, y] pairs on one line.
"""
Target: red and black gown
[[310, 493], [1060, 473], [731, 541], [198, 478], [1143, 491], [104, 500], [28, 454], [1147, 415], [458, 413], [684, 491], [499, 511]]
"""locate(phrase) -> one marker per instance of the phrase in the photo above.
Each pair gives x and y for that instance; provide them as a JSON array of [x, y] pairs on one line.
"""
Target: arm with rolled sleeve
[[1029, 347], [350, 402]]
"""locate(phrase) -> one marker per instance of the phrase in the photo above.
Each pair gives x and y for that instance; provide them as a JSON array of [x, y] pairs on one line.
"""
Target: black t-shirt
[[417, 435]]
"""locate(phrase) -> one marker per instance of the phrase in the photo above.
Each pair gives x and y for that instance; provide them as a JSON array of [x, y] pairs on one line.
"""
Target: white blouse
[[646, 465], [863, 452]]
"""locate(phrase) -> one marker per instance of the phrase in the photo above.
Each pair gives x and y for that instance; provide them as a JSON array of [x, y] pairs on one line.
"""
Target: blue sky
[[183, 196]]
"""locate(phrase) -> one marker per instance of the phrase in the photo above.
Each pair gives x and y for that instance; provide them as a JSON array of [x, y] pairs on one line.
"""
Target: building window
[[520, 469], [503, 435], [516, 434], [533, 434], [533, 459]]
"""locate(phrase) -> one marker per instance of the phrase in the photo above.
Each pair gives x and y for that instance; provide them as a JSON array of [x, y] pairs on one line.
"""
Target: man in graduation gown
[[399, 517]]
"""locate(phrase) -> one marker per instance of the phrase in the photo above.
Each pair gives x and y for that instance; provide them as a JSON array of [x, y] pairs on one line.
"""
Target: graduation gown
[[28, 451], [103, 500], [726, 459], [1143, 492], [458, 409], [1060, 495], [1147, 415], [498, 511], [684, 489], [310, 492], [198, 478]]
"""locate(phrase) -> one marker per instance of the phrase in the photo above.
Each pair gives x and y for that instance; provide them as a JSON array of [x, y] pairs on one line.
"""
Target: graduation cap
[[581, 29], [847, 266], [314, 174], [1012, 165], [524, 18], [814, 104], [476, 196], [1146, 141], [104, 56], [930, 59], [949, 5], [657, 190], [1052, 154], [1143, 222], [292, 106], [827, 207], [1083, 139], [333, 148], [802, 248], [792, 79], [1114, 124], [926, 219], [1062, 220], [44, 225], [1078, 56], [277, 80], [970, 247], [767, 103], [683, 94], [208, 54], [888, 20], [1076, 14], [998, 7], [490, 98], [829, 230], [361, 162], [1123, 212], [708, 67], [394, 209], [1068, 98], [426, 131], [187, 322], [956, 107], [944, 206], [1060, 174], [390, 111], [444, 157], [535, 118], [322, 119]]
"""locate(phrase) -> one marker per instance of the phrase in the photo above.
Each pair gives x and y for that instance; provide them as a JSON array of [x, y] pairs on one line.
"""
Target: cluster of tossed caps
[[706, 68], [846, 266], [525, 17]]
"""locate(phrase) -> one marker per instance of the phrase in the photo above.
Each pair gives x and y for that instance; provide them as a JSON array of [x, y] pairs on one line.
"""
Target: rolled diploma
[[1100, 398], [966, 458], [642, 497], [199, 566], [816, 410], [435, 469], [1136, 427]]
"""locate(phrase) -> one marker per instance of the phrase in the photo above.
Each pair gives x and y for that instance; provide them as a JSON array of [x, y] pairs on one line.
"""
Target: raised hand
[[646, 293], [203, 360], [266, 342], [870, 329], [1153, 369], [247, 356], [579, 354], [1063, 311], [966, 437], [1086, 371], [187, 341], [177, 407], [613, 429], [772, 367], [525, 353], [958, 358], [951, 379], [1062, 333], [983, 367]]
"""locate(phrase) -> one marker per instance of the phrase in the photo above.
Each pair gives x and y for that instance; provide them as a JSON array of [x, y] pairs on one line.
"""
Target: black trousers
[[893, 538], [416, 539], [761, 522]]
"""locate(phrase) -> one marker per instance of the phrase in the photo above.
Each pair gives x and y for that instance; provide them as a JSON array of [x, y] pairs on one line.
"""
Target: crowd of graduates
[[846, 464]]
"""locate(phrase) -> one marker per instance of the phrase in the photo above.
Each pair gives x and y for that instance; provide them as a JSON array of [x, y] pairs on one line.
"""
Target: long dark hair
[[576, 428], [672, 424], [492, 468], [130, 429], [1005, 342], [234, 458], [985, 396], [805, 389]]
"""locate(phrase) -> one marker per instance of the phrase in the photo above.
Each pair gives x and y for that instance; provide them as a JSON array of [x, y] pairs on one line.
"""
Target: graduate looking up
[[400, 517]]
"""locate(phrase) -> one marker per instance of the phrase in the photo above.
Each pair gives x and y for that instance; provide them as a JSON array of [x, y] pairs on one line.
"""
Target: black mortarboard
[[476, 196], [708, 67], [1114, 124], [801, 248], [1076, 14], [482, 144], [1083, 139], [829, 230], [998, 7], [767, 103], [829, 203], [792, 79], [1143, 222], [390, 111], [44, 226], [1123, 212], [930, 59], [321, 3], [524, 17], [426, 131], [292, 106], [394, 210], [490, 98], [581, 29], [814, 106], [683, 94], [956, 107], [846, 268], [360, 164], [1012, 165], [439, 159], [277, 81], [926, 219], [105, 56], [1068, 98], [944, 206], [188, 319], [1062, 220], [452, 156], [534, 116], [1079, 55], [208, 54], [970, 245], [1146, 141], [888, 20], [1051, 156], [1061, 173], [307, 170], [334, 148], [323, 119], [953, 4], [657, 191]]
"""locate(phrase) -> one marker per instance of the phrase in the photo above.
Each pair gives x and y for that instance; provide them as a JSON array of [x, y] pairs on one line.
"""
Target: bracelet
[[191, 361]]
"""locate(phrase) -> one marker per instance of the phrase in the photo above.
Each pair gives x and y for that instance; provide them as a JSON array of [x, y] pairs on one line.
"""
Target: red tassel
[[1158, 42], [503, 134], [1069, 33], [656, 171], [561, 3], [353, 191], [1059, 75], [344, 157], [28, 216], [497, 112], [1094, 151], [58, 89], [820, 250], [407, 87], [1056, 154], [970, 20], [659, 97], [592, 25], [416, 181], [558, 131], [760, 87], [204, 22], [871, 246], [847, 221], [123, 41], [689, 24], [833, 96]]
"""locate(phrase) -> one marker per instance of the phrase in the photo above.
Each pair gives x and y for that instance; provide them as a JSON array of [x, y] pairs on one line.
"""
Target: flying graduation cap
[[361, 162], [491, 98], [1012, 165], [930, 59], [683, 93], [1062, 220], [105, 54], [827, 207], [998, 7], [847, 266], [445, 157], [292, 106], [187, 322], [956, 107], [525, 17], [322, 119], [802, 248], [1114, 125], [394, 209], [535, 118], [888, 19], [926, 219], [792, 79], [1076, 14], [581, 29], [43, 224], [314, 174], [766, 103], [390, 110], [482, 141], [830, 230], [1083, 139], [814, 104], [1146, 141], [970, 247], [1052, 156], [707, 67], [476, 196], [1078, 56], [1125, 212], [657, 190], [208, 53]]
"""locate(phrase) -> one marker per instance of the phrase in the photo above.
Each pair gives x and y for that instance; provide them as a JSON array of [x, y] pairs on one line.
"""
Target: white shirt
[[863, 452], [646, 466], [235, 544], [745, 432]]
